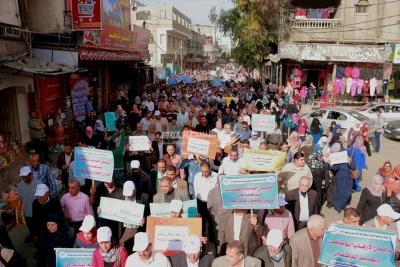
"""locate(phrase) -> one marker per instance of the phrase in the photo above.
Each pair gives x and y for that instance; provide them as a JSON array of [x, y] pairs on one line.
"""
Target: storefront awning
[[37, 66], [108, 55]]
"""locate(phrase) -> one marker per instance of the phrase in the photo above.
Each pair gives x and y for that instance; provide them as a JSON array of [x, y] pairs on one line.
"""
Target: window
[[358, 116], [362, 7], [174, 16], [318, 114], [143, 15], [163, 14], [334, 115], [162, 38], [395, 109]]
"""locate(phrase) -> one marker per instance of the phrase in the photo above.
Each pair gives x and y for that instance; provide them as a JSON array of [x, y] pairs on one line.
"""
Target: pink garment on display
[[355, 73], [301, 12], [338, 83], [343, 86], [348, 71], [360, 86], [354, 87]]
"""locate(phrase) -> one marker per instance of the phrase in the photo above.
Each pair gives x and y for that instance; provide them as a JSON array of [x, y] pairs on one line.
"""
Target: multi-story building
[[174, 42], [215, 38], [358, 35]]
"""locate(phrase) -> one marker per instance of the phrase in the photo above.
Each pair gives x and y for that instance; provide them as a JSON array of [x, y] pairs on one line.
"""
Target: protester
[[167, 192], [42, 173], [385, 219], [108, 254], [295, 170], [230, 165], [192, 254], [236, 257], [378, 129], [86, 238]]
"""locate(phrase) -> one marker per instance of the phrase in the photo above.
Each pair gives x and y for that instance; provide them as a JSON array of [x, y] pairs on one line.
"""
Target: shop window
[[163, 14], [362, 7]]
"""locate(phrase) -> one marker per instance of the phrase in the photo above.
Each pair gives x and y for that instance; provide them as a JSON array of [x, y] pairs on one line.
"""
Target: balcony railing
[[316, 23]]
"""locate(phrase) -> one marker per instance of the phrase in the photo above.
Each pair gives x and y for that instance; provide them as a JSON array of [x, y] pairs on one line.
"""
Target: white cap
[[176, 205], [41, 190], [135, 164], [254, 133], [191, 244], [141, 242], [128, 189], [157, 113], [274, 238], [87, 224], [104, 234], [24, 171], [387, 211]]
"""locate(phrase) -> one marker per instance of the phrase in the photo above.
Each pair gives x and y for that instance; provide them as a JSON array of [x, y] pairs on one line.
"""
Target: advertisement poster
[[345, 245], [255, 191], [94, 164], [79, 96], [86, 14], [68, 257]]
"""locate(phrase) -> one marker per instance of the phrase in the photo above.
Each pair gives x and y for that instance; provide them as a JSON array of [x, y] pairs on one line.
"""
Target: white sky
[[196, 10]]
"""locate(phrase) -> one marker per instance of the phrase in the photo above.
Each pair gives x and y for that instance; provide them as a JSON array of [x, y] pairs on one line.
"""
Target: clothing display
[[349, 83], [360, 86], [340, 72], [343, 86], [372, 86], [354, 87], [366, 88], [355, 73], [348, 71], [338, 83]]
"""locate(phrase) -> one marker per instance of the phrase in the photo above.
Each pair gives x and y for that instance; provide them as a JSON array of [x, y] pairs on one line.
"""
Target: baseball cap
[[281, 200], [41, 190], [87, 224], [128, 189], [135, 164], [157, 113], [387, 211], [191, 244], [104, 234], [141, 242], [254, 133], [24, 171], [274, 238], [176, 205]]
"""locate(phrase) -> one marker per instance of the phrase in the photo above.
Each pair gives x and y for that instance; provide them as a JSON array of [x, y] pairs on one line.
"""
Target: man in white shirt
[[191, 255], [149, 104], [294, 171], [204, 182], [146, 121], [255, 141], [230, 165], [225, 136], [144, 256]]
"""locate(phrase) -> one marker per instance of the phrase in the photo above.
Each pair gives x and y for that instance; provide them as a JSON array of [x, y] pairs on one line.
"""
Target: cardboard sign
[[167, 234], [256, 191], [111, 120], [121, 210], [163, 209], [345, 245], [94, 164], [204, 144], [263, 123], [139, 143], [339, 157], [262, 160], [74, 257]]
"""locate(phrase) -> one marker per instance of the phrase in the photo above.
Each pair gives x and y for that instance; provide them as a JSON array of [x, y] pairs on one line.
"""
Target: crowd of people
[[290, 235]]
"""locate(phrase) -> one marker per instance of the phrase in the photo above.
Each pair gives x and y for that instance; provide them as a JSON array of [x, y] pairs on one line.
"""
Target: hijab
[[308, 141], [294, 141], [316, 161], [376, 188], [89, 132], [396, 172], [385, 174]]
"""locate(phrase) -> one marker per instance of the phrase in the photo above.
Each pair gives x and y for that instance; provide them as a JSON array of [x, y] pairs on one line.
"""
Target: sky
[[196, 10]]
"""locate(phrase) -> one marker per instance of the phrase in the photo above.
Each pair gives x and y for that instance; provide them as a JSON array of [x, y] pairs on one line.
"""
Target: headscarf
[[294, 141], [295, 118], [89, 132], [336, 147], [315, 160], [376, 188], [99, 126], [82, 238], [385, 174], [359, 143], [396, 172], [308, 141]]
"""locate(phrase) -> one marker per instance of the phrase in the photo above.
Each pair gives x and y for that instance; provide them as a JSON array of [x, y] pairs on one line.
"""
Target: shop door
[[9, 122]]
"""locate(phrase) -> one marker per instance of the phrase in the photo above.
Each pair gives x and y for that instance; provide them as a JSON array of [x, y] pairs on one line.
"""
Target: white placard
[[139, 143], [263, 123], [197, 145], [121, 210], [170, 237], [339, 157]]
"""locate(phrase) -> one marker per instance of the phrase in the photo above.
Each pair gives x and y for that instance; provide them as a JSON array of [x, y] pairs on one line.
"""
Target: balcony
[[316, 23]]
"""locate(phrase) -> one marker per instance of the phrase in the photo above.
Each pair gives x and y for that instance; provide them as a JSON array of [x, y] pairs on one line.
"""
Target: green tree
[[255, 27]]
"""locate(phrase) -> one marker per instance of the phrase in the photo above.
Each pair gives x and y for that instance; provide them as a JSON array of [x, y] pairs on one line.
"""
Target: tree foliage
[[253, 26]]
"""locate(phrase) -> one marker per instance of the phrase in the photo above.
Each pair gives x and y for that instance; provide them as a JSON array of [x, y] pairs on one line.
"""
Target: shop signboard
[[86, 14]]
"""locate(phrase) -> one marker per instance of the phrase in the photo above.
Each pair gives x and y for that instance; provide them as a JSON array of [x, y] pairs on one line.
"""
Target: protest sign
[[82, 257], [111, 120], [263, 123], [262, 160], [172, 81], [217, 83], [345, 245], [339, 157], [163, 209], [167, 234], [139, 143], [121, 210], [255, 191], [204, 144], [95, 164]]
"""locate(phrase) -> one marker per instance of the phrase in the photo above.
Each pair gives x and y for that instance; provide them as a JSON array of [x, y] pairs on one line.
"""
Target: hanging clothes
[[301, 13], [379, 87], [348, 71], [343, 86], [338, 83], [360, 86], [372, 86], [385, 86], [349, 83], [366, 87], [354, 86], [355, 73], [340, 72]]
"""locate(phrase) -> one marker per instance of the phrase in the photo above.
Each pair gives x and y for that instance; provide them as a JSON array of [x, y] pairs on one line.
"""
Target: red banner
[[86, 14]]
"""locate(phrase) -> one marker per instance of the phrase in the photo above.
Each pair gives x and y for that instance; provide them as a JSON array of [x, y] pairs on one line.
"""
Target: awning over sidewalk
[[34, 65]]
